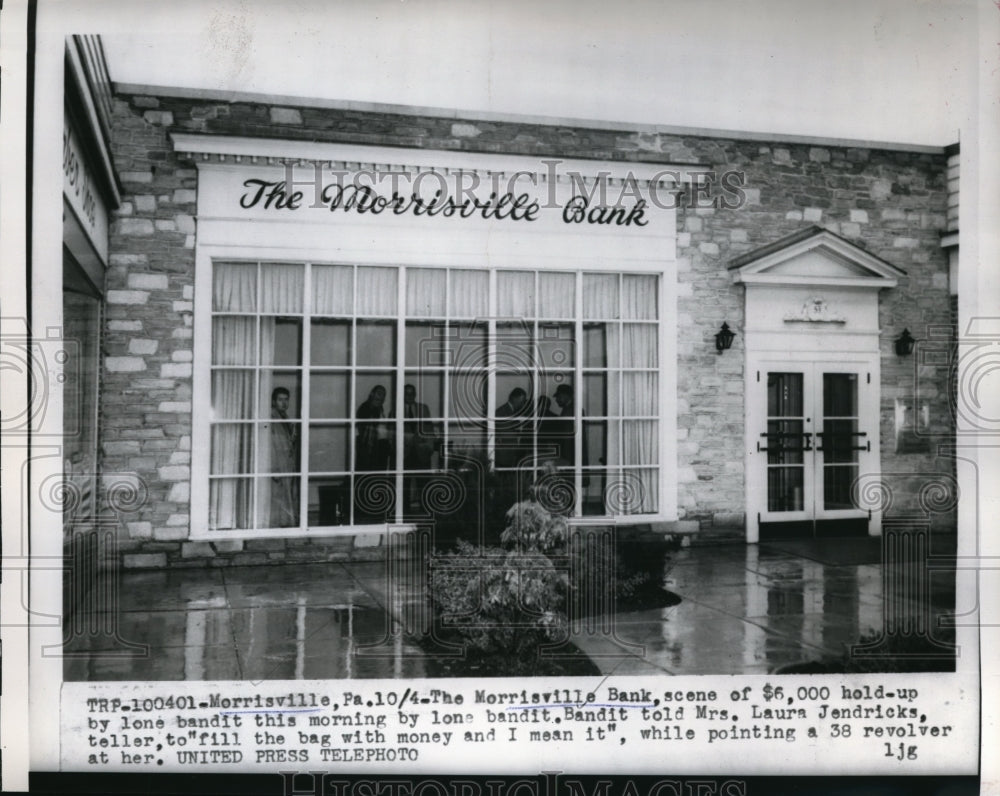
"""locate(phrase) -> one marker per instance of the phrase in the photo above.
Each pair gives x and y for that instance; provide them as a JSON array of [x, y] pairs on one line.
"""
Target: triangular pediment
[[814, 256]]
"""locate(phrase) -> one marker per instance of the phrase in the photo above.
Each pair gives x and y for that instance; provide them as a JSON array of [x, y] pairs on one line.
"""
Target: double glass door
[[813, 423]]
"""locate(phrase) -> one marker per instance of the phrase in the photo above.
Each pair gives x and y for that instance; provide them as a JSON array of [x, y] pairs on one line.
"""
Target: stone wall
[[892, 203]]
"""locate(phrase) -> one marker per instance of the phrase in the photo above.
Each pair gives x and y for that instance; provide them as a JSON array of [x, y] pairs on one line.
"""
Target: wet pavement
[[744, 609]]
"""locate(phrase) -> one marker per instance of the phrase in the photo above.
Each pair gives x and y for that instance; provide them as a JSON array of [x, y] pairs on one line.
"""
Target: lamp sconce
[[904, 344], [724, 338]]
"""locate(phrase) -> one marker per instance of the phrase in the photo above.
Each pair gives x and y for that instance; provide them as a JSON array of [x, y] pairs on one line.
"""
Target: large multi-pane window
[[354, 395]]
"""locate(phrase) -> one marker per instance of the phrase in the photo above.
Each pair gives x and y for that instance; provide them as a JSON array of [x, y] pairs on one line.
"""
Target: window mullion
[[305, 361], [491, 367], [401, 278], [578, 392]]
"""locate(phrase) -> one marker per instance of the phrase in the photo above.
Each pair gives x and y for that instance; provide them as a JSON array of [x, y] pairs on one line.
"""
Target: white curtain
[[281, 288], [425, 292], [376, 291], [640, 445], [600, 296], [469, 293], [333, 289], [639, 297], [557, 295], [516, 294]]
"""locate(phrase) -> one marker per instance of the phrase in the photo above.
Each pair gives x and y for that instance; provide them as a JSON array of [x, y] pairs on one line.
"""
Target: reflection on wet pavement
[[744, 609]]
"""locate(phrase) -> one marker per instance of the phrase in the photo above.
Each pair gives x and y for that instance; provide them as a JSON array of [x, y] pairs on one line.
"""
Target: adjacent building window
[[360, 395]]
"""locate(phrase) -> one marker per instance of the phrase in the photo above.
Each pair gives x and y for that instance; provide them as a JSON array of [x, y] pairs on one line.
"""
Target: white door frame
[[813, 362]]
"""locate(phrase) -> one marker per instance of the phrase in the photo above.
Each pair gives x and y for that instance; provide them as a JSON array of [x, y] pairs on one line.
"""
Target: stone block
[[197, 550], [162, 118], [144, 560], [165, 225], [174, 406], [185, 224], [174, 472], [136, 176], [184, 443], [184, 196], [859, 216], [905, 243], [850, 230], [133, 226], [140, 281], [125, 326], [793, 215], [180, 492], [140, 530], [459, 130], [139, 345], [367, 540], [180, 457], [708, 248], [819, 155], [131, 297], [182, 356], [124, 364], [145, 203], [120, 447], [228, 546], [175, 370], [170, 534], [751, 196], [176, 520], [812, 214], [188, 292], [183, 306]]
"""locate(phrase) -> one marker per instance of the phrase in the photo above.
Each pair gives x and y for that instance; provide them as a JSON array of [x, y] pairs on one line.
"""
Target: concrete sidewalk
[[744, 609]]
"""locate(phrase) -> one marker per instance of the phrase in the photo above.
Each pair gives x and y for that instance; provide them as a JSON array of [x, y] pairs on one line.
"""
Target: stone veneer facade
[[892, 203]]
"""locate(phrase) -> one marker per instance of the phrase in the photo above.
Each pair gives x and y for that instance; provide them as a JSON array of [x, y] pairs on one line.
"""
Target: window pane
[[232, 449], [278, 447], [278, 502], [551, 383], [784, 394], [232, 395], [230, 504], [465, 446], [273, 386], [374, 498], [556, 346], [280, 341], [785, 441], [330, 395], [640, 442], [639, 346], [425, 292], [557, 295], [595, 396], [600, 296], [595, 443], [429, 398], [516, 294], [515, 347], [376, 291], [506, 383], [422, 441], [426, 345], [840, 394], [329, 501], [467, 393], [234, 340], [840, 441], [234, 287], [376, 343], [644, 484], [595, 345], [468, 345], [784, 488], [639, 394], [281, 287], [333, 289], [375, 394], [640, 297], [468, 294], [328, 448], [331, 342], [837, 483]]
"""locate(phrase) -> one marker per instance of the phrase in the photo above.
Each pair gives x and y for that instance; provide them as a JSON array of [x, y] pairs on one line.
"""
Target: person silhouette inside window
[[284, 459]]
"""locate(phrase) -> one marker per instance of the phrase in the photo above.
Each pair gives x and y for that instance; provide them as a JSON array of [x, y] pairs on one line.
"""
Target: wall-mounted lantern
[[724, 338], [904, 344]]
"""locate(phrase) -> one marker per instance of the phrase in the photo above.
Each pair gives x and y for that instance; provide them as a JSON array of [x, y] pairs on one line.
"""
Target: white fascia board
[[240, 147], [787, 280]]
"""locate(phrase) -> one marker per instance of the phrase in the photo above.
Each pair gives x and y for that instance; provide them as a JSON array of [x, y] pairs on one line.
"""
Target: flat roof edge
[[491, 116]]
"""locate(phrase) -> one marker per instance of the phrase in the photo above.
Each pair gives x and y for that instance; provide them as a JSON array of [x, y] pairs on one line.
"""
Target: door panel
[[811, 421]]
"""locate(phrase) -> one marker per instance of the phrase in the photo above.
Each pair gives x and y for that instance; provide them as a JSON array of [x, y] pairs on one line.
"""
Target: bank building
[[306, 328]]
